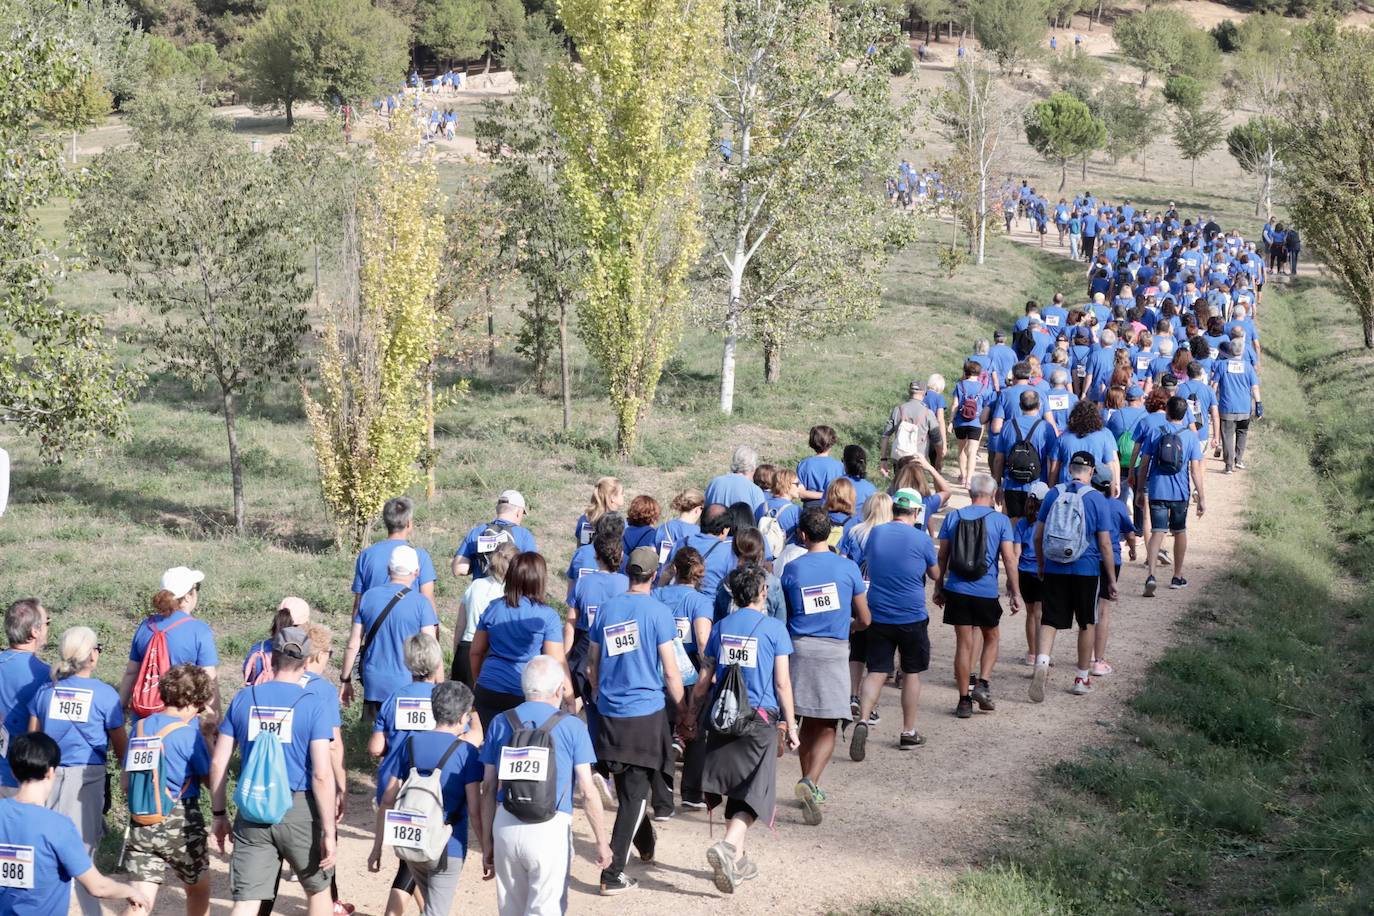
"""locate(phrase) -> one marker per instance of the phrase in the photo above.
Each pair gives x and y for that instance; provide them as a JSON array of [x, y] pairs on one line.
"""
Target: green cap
[[907, 498]]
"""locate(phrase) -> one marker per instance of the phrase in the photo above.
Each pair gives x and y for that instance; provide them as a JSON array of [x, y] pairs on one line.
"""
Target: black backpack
[[968, 555], [731, 714], [1023, 461], [499, 529], [533, 801], [1169, 452]]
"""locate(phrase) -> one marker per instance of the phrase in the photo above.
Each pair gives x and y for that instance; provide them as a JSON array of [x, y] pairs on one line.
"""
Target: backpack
[[263, 795], [491, 537], [968, 404], [530, 768], [1023, 461], [731, 714], [910, 437], [260, 659], [1125, 447], [836, 535], [1169, 451], [421, 798], [968, 554], [149, 801], [1066, 527], [146, 697], [772, 532]]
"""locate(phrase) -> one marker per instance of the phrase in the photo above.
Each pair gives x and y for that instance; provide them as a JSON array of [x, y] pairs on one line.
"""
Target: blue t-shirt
[[572, 745], [1118, 421], [1122, 526], [818, 472], [592, 591], [1100, 366], [1024, 531], [719, 557], [384, 664], [402, 712], [185, 756], [1234, 378], [638, 536], [306, 721], [754, 640], [1201, 399], [1097, 516], [630, 629], [328, 695], [687, 605], [21, 674], [1000, 360], [1060, 403], [57, 707], [1008, 403], [820, 589], [897, 557], [190, 643], [996, 532], [583, 531], [1163, 486], [982, 395], [515, 635], [521, 537], [371, 568], [785, 511], [1039, 433], [57, 852], [728, 489], [934, 401], [671, 534], [1100, 443], [583, 562], [423, 750], [863, 489]]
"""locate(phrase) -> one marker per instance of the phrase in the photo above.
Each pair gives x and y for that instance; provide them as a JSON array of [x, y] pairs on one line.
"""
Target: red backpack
[[147, 694]]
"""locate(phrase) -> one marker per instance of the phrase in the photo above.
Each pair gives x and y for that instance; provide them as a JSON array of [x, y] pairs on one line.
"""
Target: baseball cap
[[1039, 490], [643, 561], [300, 610], [1167, 380], [404, 560], [1082, 460], [512, 498], [1135, 391], [907, 498], [1102, 478], [292, 642], [915, 385], [999, 336], [179, 580]]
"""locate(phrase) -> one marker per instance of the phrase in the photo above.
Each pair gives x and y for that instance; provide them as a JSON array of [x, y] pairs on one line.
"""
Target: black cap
[[1082, 460]]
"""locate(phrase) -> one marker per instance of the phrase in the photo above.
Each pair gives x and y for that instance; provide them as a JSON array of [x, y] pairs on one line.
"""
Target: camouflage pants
[[180, 841]]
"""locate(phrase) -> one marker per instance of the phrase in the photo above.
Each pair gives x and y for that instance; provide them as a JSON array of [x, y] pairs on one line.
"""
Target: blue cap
[[1135, 391]]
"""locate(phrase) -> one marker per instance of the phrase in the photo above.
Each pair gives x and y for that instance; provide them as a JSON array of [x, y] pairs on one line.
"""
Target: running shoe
[[1037, 684], [725, 873], [1178, 582], [811, 806], [1228, 472], [909, 740], [665, 815], [1150, 586], [1216, 452], [821, 797], [619, 884], [858, 742], [982, 695], [1100, 669], [602, 789], [697, 805], [1028, 661], [853, 707], [343, 909], [1164, 556], [745, 869], [646, 852], [1081, 686], [1240, 465], [874, 718], [965, 708], [678, 747]]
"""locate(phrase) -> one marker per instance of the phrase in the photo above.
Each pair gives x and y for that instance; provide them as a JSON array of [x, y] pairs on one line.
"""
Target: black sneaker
[[1150, 586], [982, 695], [874, 718], [853, 707], [858, 742], [665, 815], [611, 885], [965, 708], [1178, 582], [908, 741]]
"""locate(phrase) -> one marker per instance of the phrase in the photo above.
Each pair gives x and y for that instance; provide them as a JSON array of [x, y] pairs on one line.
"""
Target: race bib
[[817, 599], [585, 571], [406, 829], [1052, 321], [684, 628], [270, 719], [1059, 402], [740, 650], [584, 535], [16, 866], [414, 714], [1195, 407], [590, 613], [665, 550], [4, 741], [1142, 363], [1213, 353], [486, 543], [526, 763], [622, 637], [1235, 367], [144, 753], [70, 704], [921, 516]]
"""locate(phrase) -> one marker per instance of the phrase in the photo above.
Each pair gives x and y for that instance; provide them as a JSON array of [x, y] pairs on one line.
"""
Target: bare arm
[[1008, 551], [477, 654], [555, 651], [120, 739], [487, 814], [374, 860], [782, 685], [322, 787], [596, 816], [460, 566], [1040, 549], [97, 885], [863, 617], [428, 591], [355, 642], [460, 625], [672, 677], [376, 744], [126, 683], [1104, 547]]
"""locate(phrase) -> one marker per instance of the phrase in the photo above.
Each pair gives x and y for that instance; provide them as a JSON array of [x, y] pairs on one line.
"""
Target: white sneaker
[[1037, 684], [1081, 686]]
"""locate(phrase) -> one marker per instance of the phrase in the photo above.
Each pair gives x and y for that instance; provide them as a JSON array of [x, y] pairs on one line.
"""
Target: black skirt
[[642, 741], [744, 769]]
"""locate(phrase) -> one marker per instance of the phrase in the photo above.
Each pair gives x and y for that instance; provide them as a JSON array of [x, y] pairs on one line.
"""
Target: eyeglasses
[[99, 647]]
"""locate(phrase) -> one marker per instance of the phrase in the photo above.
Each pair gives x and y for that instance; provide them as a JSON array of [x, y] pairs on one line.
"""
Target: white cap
[[404, 561], [1039, 490], [512, 498], [179, 580]]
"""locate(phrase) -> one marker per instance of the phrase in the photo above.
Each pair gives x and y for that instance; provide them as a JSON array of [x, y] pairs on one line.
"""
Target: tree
[[803, 103], [930, 13], [1063, 129], [381, 334], [205, 233], [59, 379], [975, 116], [1196, 132], [1010, 30], [1132, 120], [1078, 74], [635, 121], [326, 51], [208, 70], [1153, 40], [78, 106], [454, 29], [1328, 110], [1184, 91], [1255, 147]]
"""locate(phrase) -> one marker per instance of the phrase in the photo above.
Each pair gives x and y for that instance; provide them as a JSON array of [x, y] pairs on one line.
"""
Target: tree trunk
[[727, 359], [491, 328], [982, 218], [317, 277], [772, 359], [1085, 168], [290, 115], [235, 463], [1268, 193], [1144, 79], [1192, 173], [73, 147], [429, 431], [565, 379], [1063, 173], [737, 264], [1369, 330]]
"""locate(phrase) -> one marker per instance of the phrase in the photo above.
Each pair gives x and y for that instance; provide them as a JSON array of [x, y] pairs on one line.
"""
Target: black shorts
[[971, 610], [1067, 599], [1015, 502], [1032, 589], [1102, 584], [968, 432], [858, 646], [910, 639]]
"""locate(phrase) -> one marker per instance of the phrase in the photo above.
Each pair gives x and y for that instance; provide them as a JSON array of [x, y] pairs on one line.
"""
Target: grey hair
[[744, 460], [397, 513], [23, 617], [1059, 377], [542, 677], [451, 702], [1166, 345], [980, 346], [78, 644], [1107, 338], [936, 382], [982, 485], [423, 656]]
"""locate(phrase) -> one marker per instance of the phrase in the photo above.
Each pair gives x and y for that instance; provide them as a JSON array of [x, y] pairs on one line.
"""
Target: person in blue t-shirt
[[1037, 431], [899, 556], [1202, 406], [816, 473], [1060, 401], [41, 847], [688, 505], [469, 558], [1069, 571], [22, 672], [1000, 357], [408, 709], [713, 542], [610, 526], [1086, 432], [1100, 365], [441, 748], [632, 664], [370, 570], [969, 598], [189, 641], [738, 485], [1166, 493], [305, 836], [825, 603], [1027, 574], [589, 593], [388, 615], [856, 472], [607, 496], [972, 406], [1238, 396]]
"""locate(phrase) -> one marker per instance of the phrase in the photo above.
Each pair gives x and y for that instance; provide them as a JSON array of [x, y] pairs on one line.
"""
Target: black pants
[[462, 664], [1089, 242], [633, 786], [491, 703]]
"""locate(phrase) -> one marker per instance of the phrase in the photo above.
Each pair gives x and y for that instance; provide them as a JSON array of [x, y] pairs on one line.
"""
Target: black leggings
[[633, 786], [462, 664], [491, 703]]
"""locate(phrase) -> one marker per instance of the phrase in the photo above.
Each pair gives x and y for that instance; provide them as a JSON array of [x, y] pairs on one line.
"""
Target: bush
[[903, 61], [1227, 36]]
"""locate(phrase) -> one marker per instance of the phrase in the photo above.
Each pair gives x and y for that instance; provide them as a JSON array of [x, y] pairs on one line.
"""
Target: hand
[[883, 467], [489, 863], [221, 830], [1015, 605], [938, 597], [793, 736], [346, 694], [1200, 509], [340, 804], [1111, 592], [999, 497], [603, 855], [374, 859], [328, 845], [137, 900], [1140, 499]]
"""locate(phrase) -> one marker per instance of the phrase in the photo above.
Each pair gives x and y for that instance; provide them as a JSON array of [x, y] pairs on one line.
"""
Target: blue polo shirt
[[820, 589], [515, 635], [898, 557], [996, 532], [630, 629], [1097, 518], [371, 568], [383, 664], [572, 745]]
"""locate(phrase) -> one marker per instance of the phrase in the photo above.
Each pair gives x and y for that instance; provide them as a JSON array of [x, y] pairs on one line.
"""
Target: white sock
[[1083, 673], [1042, 660]]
